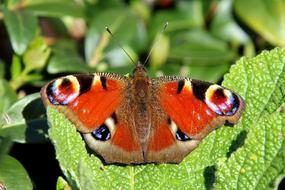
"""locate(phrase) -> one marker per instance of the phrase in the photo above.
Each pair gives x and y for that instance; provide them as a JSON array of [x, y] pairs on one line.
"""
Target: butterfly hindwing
[[192, 110], [121, 145]]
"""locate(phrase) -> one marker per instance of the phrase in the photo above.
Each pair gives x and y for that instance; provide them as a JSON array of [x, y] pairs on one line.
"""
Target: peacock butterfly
[[139, 119]]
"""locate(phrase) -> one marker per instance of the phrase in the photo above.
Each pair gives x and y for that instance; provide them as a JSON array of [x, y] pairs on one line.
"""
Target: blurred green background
[[43, 39]]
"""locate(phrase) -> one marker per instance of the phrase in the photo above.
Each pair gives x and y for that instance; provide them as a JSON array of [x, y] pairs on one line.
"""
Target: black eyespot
[[199, 88], [102, 133], [114, 117], [219, 93], [103, 82], [169, 121], [65, 83], [235, 105], [180, 85], [182, 136], [85, 82], [50, 94]]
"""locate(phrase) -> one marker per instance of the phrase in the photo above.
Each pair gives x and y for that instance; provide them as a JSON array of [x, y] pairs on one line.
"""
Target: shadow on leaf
[[209, 175], [239, 142]]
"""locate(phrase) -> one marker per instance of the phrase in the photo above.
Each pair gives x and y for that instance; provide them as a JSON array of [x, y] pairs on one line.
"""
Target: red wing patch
[[189, 113], [161, 138], [125, 139], [93, 107], [89, 99]]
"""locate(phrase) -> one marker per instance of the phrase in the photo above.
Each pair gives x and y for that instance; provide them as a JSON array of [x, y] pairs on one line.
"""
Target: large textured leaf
[[247, 156], [260, 160]]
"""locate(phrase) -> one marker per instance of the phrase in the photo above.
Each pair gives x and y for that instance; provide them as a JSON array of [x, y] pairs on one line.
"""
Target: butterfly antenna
[[120, 45], [153, 46]]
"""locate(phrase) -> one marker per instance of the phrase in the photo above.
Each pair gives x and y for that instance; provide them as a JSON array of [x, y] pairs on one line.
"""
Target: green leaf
[[2, 69], [24, 121], [225, 27], [261, 81], [126, 27], [36, 55], [5, 145], [66, 59], [21, 26], [12, 4], [267, 18], [16, 67], [160, 51], [54, 8], [7, 96], [61, 184], [199, 47], [211, 73], [260, 161], [13, 175], [207, 57], [189, 14]]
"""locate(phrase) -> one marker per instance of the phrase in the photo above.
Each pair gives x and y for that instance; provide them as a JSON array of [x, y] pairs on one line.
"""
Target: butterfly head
[[140, 71]]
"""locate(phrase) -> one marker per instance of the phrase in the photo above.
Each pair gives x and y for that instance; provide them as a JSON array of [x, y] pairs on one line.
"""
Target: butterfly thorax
[[140, 84]]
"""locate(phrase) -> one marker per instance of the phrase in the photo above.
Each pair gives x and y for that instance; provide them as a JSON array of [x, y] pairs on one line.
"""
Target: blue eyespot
[[102, 133]]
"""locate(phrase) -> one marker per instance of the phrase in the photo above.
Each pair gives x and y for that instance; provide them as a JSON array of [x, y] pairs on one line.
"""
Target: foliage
[[46, 38]]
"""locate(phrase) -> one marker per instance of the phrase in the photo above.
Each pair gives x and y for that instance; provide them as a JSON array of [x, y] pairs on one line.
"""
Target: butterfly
[[138, 119]]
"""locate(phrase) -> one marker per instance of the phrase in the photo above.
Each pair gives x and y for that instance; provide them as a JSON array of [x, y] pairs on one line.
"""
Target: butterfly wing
[[94, 103], [185, 112]]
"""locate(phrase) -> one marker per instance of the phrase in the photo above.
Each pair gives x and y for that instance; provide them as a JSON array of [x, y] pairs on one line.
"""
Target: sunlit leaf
[[65, 58], [123, 24], [36, 55], [16, 67], [61, 184], [7, 96], [160, 51], [13, 175], [21, 26], [266, 17], [24, 121], [54, 8], [225, 27]]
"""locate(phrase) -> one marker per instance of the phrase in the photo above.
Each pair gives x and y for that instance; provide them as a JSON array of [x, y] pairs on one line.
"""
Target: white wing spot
[[110, 123], [173, 127], [188, 85], [96, 80]]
